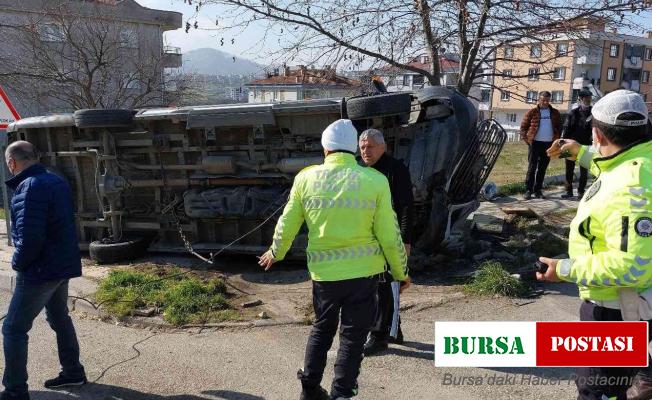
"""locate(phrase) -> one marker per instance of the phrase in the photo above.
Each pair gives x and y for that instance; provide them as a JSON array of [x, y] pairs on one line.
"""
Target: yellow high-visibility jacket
[[610, 242], [352, 229]]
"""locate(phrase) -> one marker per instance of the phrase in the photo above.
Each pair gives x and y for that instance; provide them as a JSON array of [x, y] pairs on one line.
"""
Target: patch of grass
[[511, 165], [509, 189], [492, 278], [2, 214], [182, 299]]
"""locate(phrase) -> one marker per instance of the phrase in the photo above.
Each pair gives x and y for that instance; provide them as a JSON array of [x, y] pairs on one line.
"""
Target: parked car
[[203, 177]]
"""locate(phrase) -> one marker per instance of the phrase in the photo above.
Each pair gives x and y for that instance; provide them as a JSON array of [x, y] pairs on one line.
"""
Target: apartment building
[[301, 83], [398, 80], [589, 58], [139, 31]]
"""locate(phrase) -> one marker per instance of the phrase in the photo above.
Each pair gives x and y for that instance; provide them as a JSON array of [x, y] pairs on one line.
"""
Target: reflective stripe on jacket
[[352, 228], [610, 242]]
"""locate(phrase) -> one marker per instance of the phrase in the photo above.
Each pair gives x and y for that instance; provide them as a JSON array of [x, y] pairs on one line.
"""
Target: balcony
[[172, 57]]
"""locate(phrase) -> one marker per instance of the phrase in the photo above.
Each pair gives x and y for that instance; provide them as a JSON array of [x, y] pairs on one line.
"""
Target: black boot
[[374, 345], [311, 392], [567, 195], [318, 393]]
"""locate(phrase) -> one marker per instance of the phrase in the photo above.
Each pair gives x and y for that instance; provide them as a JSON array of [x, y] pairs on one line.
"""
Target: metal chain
[[186, 243]]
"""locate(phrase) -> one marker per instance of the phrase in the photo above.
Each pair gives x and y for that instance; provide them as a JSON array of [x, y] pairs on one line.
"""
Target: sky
[[247, 44], [198, 38]]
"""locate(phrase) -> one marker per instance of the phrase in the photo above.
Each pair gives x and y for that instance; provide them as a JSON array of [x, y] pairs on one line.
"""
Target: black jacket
[[578, 126], [400, 185]]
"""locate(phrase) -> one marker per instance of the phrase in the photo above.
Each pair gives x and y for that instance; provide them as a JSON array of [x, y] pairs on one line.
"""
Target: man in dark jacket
[[540, 126], [46, 256], [578, 127], [372, 149]]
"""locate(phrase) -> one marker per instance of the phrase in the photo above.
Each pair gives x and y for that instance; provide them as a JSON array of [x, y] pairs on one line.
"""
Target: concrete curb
[[156, 323]]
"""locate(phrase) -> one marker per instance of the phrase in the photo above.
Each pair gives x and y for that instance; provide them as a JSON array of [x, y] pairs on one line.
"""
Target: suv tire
[[378, 105], [107, 252], [97, 118]]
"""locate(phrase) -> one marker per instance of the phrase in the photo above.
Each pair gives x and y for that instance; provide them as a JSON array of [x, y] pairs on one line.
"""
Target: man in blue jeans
[[46, 256]]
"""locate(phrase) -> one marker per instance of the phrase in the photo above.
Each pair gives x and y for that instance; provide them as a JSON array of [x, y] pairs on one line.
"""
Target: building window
[[52, 33], [417, 80], [533, 74], [509, 52], [510, 117], [485, 94], [559, 73], [613, 50], [611, 74], [531, 96], [648, 54], [406, 80], [507, 73], [562, 49], [504, 95], [646, 77], [557, 96], [535, 51]]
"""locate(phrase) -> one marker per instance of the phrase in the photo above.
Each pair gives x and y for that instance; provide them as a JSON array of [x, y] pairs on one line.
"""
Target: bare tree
[[68, 58], [356, 33]]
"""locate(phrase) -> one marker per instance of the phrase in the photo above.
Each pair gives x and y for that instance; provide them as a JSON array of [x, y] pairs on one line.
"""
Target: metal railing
[[477, 162]]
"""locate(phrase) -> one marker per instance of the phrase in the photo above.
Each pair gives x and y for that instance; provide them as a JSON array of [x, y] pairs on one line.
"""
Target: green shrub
[[493, 279], [181, 298]]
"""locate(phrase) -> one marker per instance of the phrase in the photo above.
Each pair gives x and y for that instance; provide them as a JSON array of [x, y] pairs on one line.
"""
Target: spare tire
[[107, 252], [378, 105], [98, 118]]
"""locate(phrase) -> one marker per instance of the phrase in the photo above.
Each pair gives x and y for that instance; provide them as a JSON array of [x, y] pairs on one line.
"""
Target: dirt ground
[[285, 290]]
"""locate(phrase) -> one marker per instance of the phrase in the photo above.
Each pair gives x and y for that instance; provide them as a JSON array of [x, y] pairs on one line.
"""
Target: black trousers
[[354, 301], [570, 174], [385, 311], [587, 380], [538, 162]]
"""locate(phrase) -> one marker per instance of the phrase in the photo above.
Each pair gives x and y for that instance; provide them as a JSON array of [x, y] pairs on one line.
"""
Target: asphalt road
[[261, 363]]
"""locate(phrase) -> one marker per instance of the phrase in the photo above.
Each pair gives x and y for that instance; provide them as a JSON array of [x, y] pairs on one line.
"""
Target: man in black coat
[[372, 149], [578, 127], [46, 257]]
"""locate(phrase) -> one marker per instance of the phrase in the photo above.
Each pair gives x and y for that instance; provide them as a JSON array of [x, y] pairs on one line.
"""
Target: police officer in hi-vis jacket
[[352, 233], [610, 242]]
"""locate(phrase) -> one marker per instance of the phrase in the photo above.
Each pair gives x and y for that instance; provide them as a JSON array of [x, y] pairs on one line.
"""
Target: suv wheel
[[378, 105], [107, 252], [96, 118]]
